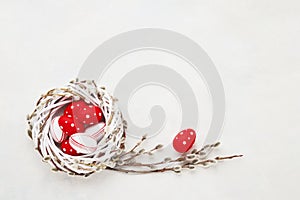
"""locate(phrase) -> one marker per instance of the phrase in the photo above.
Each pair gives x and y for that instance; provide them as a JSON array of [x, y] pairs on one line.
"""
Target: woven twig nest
[[109, 152], [108, 147]]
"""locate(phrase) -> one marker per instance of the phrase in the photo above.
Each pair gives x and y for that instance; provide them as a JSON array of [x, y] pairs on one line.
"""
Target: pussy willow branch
[[196, 158], [176, 169]]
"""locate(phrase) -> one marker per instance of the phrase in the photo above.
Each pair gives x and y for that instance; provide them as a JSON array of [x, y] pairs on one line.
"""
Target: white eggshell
[[83, 143], [96, 131], [57, 134]]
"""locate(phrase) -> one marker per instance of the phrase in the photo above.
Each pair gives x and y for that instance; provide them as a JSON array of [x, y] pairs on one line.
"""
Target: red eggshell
[[98, 113], [76, 109], [84, 113], [184, 140], [70, 127], [93, 116], [68, 149]]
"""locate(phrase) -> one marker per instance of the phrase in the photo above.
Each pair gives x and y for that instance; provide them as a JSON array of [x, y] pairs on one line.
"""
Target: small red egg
[[184, 140]]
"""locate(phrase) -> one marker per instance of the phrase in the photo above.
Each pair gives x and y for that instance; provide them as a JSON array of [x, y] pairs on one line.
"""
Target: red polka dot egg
[[84, 113], [184, 140]]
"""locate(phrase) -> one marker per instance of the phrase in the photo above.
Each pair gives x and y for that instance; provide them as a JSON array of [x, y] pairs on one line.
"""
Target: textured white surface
[[254, 44]]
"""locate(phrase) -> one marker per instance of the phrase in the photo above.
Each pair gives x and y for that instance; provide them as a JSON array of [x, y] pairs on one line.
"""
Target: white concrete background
[[255, 45]]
